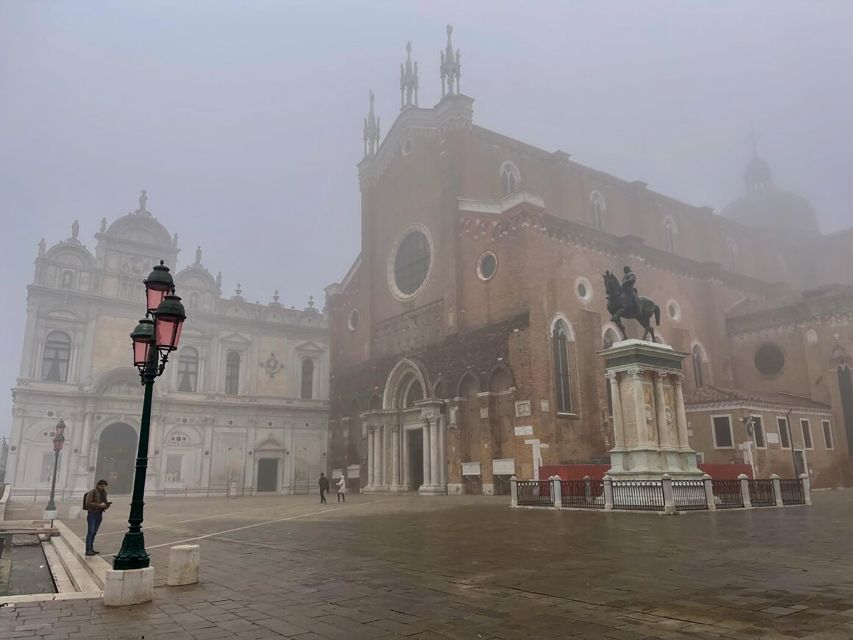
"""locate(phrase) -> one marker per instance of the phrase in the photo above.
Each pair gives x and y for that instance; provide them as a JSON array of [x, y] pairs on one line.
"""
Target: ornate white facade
[[243, 402]]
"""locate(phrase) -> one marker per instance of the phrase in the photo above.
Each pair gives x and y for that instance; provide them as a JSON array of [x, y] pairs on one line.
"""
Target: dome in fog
[[766, 206]]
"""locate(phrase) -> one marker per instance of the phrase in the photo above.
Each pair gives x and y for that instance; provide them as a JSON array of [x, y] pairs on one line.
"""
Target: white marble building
[[243, 402]]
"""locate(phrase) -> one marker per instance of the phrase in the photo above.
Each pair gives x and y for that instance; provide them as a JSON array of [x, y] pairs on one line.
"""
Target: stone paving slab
[[469, 567]]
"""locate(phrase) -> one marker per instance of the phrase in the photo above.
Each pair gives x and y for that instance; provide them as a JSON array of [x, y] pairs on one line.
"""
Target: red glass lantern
[[169, 319], [59, 436], [157, 286], [143, 342]]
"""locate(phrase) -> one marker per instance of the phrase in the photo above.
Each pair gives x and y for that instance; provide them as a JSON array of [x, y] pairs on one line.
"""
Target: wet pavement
[[469, 567]]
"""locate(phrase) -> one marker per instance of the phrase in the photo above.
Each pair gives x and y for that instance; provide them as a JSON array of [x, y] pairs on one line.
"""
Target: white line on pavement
[[252, 526]]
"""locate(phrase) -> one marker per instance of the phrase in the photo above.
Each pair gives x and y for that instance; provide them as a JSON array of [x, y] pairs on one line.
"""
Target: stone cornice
[[752, 405]]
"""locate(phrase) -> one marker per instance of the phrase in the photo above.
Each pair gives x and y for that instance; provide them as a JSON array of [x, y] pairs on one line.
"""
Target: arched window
[[510, 178], [188, 370], [670, 235], [232, 373], [57, 353], [597, 207], [699, 361], [412, 392], [562, 375], [307, 379]]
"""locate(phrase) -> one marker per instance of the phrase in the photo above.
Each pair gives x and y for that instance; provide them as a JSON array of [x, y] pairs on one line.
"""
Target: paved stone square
[[469, 567]]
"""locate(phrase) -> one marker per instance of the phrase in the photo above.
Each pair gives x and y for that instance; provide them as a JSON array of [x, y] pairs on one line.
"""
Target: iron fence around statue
[[761, 493], [792, 491], [582, 494], [689, 495], [638, 495], [534, 493], [727, 494]]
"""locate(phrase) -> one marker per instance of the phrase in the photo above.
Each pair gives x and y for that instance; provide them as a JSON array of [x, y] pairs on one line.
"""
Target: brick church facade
[[465, 335]]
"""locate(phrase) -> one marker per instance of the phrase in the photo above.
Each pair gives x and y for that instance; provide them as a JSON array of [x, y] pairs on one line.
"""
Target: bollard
[[744, 490], [807, 488], [513, 491], [557, 491], [183, 564], [668, 497], [777, 490], [709, 492], [608, 493]]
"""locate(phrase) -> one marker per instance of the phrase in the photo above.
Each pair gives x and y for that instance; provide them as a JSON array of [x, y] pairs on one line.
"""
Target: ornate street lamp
[[58, 442], [153, 341]]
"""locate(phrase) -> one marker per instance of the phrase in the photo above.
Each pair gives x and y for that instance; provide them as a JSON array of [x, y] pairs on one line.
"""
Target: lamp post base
[[132, 554], [49, 514]]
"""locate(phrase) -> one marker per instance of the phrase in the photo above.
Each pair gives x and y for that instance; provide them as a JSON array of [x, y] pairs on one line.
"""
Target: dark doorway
[[116, 457], [416, 459], [267, 474], [799, 462], [845, 387]]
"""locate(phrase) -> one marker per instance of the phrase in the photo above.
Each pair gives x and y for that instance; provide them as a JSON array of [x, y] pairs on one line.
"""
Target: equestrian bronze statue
[[624, 302]]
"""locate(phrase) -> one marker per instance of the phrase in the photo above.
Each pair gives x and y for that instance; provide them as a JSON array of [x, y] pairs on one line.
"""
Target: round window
[[673, 310], [352, 322], [411, 263], [769, 359], [487, 264], [583, 289]]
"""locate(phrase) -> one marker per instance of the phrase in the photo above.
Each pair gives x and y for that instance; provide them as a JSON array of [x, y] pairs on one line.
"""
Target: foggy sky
[[243, 119]]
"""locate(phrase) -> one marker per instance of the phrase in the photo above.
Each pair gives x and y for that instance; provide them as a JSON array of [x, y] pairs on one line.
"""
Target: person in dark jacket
[[324, 487], [95, 503]]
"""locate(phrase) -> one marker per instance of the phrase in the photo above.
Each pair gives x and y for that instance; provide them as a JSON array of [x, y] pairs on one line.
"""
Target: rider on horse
[[629, 289]]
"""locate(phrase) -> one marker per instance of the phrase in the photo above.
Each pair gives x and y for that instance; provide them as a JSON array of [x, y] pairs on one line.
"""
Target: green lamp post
[[153, 341], [58, 441]]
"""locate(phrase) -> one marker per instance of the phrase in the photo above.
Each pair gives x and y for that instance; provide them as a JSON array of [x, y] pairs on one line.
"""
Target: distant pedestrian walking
[[95, 503], [342, 489], [324, 487]]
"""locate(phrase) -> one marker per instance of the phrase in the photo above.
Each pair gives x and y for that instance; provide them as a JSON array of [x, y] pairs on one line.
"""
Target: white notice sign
[[524, 431], [772, 438]]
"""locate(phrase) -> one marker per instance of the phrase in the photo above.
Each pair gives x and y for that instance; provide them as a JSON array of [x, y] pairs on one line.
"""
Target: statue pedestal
[[649, 420]]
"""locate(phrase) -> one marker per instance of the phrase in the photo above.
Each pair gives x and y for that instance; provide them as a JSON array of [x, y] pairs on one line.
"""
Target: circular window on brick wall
[[583, 289], [487, 265], [673, 310], [410, 263], [769, 359]]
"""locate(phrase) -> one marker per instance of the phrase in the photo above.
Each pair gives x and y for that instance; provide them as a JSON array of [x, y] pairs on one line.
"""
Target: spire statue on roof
[[371, 131], [75, 230], [451, 67], [42, 247], [408, 80], [198, 255], [219, 281], [143, 200], [103, 224]]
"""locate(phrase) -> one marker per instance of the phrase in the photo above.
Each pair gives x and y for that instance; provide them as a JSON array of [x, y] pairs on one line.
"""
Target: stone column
[[680, 415], [370, 457], [616, 399], [660, 411], [435, 474], [639, 407], [395, 457], [377, 453], [426, 456], [442, 451]]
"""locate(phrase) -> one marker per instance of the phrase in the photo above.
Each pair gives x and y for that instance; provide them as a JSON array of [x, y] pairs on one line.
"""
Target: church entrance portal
[[116, 457], [416, 459]]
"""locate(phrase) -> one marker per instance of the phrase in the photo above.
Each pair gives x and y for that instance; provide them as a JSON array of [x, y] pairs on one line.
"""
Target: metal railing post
[[807, 487], [709, 492], [668, 497], [777, 490], [587, 490], [608, 493], [556, 491], [513, 491], [744, 490]]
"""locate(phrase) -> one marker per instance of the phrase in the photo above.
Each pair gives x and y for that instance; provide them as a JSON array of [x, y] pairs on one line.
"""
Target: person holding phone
[[95, 503]]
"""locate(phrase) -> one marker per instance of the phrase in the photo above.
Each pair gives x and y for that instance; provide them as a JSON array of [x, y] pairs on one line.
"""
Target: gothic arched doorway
[[116, 457]]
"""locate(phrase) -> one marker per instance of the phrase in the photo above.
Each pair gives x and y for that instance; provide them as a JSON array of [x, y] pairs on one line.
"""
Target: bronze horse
[[620, 305]]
